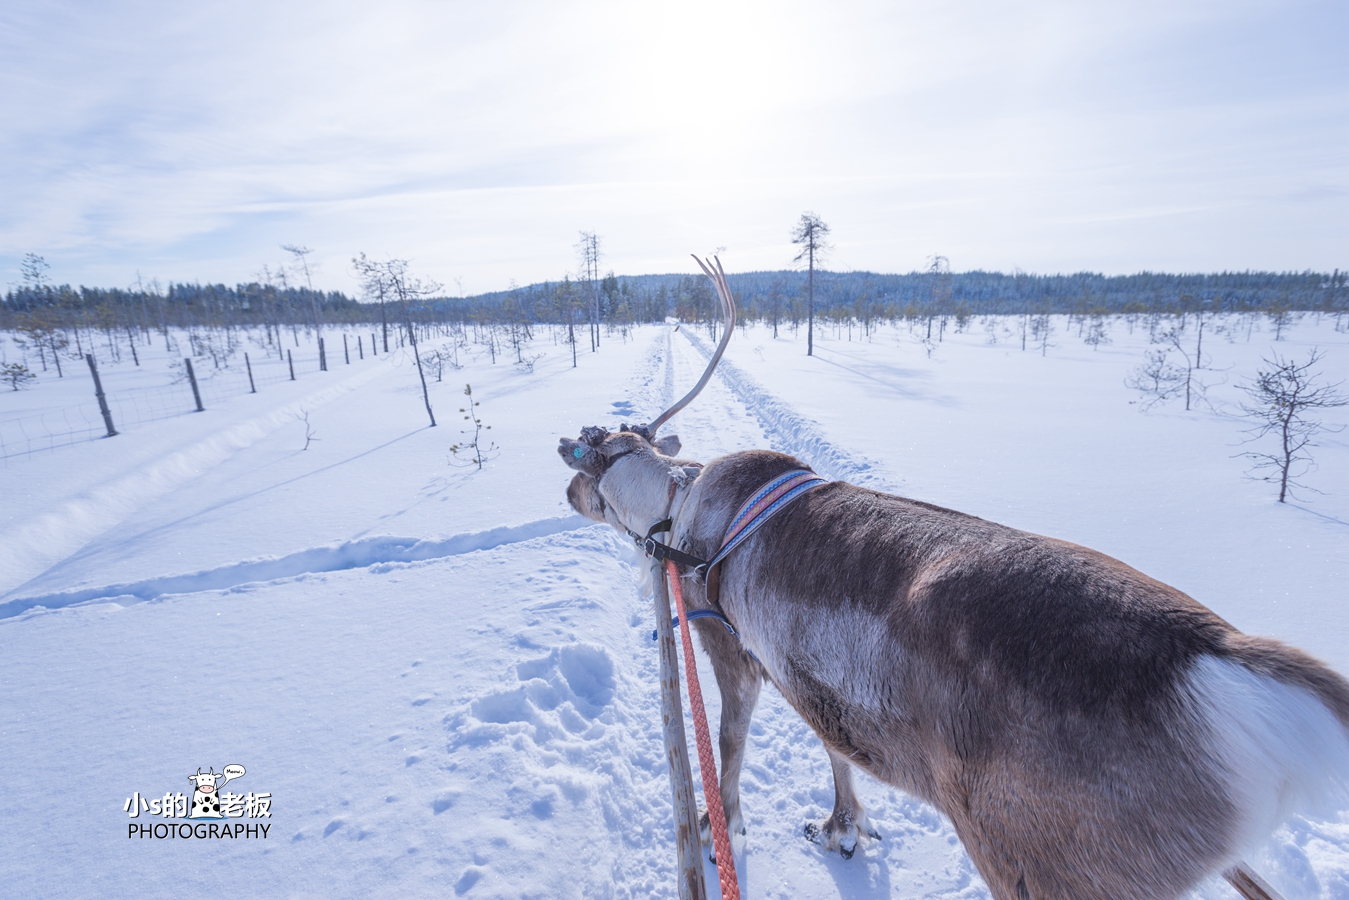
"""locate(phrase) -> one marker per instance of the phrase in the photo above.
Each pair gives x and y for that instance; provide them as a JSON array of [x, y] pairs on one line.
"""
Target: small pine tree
[[467, 453], [16, 374]]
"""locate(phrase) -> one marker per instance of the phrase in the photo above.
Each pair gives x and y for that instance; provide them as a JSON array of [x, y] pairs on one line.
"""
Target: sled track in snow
[[792, 432], [332, 558], [38, 543], [787, 429], [654, 375]]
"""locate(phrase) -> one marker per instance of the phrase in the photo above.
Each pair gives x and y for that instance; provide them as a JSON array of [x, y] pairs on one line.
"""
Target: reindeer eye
[[578, 453]]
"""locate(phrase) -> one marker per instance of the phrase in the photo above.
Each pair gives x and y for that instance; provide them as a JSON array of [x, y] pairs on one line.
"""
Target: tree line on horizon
[[773, 297], [216, 321]]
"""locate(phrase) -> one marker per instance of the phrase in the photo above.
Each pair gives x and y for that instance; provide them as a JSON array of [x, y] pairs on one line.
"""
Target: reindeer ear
[[668, 445]]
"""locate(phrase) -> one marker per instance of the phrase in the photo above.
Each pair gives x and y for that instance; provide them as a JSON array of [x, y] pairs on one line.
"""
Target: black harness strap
[[758, 509], [661, 552]]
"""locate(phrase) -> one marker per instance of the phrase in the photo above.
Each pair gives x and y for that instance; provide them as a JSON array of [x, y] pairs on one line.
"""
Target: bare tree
[[375, 287], [435, 359], [566, 300], [1200, 318], [589, 249], [1156, 379], [310, 435], [939, 267], [301, 254], [1041, 328], [40, 331], [810, 233], [1281, 315], [1173, 337], [1281, 396], [775, 303], [1097, 333], [393, 278]]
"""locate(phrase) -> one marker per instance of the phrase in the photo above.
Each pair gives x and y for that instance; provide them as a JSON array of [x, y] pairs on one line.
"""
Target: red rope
[[707, 764]]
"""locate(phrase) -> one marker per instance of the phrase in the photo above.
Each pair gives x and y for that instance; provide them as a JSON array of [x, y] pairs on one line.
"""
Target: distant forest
[[864, 298]]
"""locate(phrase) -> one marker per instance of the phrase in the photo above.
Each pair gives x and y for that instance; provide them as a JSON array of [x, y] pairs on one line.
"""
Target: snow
[[446, 679]]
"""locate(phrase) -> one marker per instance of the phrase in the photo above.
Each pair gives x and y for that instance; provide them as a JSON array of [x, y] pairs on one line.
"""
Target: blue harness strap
[[710, 614], [767, 502]]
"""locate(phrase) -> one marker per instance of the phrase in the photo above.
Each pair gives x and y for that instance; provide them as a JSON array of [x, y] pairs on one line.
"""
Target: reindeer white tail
[[1281, 750]]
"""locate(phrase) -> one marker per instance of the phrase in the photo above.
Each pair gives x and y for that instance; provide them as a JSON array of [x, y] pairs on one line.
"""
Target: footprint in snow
[[558, 695]]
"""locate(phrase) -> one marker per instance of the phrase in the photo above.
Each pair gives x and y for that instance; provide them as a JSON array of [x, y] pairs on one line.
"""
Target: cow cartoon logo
[[206, 790]]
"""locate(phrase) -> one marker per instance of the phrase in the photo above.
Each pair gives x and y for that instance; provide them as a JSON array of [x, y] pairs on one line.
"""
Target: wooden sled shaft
[[1249, 884]]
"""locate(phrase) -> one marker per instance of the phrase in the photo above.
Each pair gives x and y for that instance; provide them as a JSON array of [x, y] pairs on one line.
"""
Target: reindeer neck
[[643, 490]]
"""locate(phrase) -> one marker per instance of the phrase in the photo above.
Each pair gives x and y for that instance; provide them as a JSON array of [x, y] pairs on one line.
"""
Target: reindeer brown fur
[[1089, 731]]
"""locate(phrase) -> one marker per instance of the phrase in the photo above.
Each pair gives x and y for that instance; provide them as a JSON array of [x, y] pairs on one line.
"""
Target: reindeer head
[[628, 478]]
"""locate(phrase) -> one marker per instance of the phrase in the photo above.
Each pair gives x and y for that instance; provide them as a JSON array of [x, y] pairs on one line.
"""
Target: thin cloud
[[190, 141]]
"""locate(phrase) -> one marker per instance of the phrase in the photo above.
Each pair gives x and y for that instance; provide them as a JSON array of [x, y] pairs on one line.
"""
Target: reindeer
[[1090, 732]]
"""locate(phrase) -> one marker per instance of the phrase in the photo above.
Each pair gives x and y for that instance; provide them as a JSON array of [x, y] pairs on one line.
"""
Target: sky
[[189, 142]]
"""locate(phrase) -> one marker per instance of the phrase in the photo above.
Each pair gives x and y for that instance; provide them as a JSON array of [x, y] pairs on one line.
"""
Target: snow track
[[35, 543], [789, 431], [336, 557]]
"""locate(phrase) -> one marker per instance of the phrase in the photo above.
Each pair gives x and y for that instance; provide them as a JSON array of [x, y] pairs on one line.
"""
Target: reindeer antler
[[728, 309]]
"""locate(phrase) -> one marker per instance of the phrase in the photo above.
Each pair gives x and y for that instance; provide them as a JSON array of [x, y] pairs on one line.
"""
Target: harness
[[766, 502]]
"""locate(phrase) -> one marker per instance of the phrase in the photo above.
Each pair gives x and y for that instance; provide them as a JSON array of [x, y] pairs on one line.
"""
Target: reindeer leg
[[736, 708], [739, 678], [844, 829]]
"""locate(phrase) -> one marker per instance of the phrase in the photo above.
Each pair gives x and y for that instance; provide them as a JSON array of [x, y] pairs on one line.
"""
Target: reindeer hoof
[[705, 828], [845, 837]]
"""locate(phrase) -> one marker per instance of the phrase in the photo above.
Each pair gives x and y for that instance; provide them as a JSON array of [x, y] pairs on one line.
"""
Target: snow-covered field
[[446, 681]]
